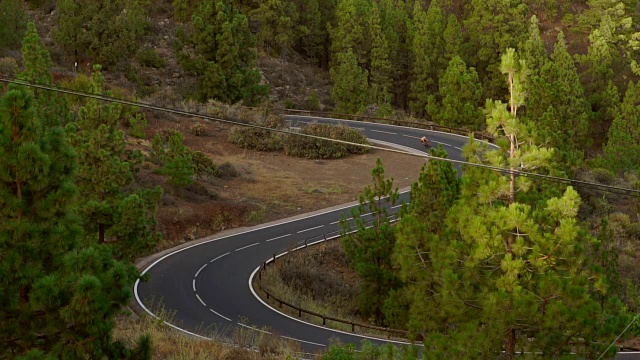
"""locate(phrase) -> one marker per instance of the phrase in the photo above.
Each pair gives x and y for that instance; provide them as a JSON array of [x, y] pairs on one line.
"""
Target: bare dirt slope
[[268, 186]]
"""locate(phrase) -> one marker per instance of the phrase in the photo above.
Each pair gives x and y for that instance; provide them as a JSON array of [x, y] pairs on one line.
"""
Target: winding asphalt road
[[206, 285]]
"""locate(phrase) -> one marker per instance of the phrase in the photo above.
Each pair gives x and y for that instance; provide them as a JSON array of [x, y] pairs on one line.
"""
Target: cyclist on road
[[424, 141]]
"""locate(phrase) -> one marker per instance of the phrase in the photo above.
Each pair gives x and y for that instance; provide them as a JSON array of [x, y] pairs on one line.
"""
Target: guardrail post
[[274, 258], [324, 321], [280, 304], [267, 295], [353, 327], [299, 312]]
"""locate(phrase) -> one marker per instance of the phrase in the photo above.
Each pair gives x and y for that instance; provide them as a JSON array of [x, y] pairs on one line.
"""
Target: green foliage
[[558, 106], [428, 50], [351, 30], [493, 26], [257, 138], [138, 124], [396, 27], [622, 151], [150, 58], [452, 38], [313, 103], [202, 165], [105, 170], [310, 148], [349, 90], [368, 244], [380, 76], [50, 106], [178, 165], [8, 67], [279, 27], [422, 243], [14, 22], [53, 283], [107, 31], [458, 98], [218, 47]]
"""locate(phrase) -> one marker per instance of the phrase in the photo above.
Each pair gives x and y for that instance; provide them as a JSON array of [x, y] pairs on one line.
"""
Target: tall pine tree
[[58, 295], [220, 49]]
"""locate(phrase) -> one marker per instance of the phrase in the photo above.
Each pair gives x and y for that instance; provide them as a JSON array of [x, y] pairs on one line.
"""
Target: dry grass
[[169, 344]]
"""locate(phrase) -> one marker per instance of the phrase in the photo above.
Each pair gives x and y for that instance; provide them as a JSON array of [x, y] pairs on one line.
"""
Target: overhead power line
[[601, 187]]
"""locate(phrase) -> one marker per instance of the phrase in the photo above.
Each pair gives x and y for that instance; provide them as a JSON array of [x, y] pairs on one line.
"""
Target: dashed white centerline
[[367, 214], [219, 257], [279, 237], [335, 222], [253, 328], [248, 246], [202, 302], [194, 285], [397, 206], [198, 273], [308, 342], [384, 132], [222, 316], [313, 228]]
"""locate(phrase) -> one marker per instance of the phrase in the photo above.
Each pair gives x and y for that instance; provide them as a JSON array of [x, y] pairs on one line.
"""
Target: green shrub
[[150, 58], [288, 103], [202, 165], [226, 170], [313, 103], [8, 67], [138, 124], [259, 139], [198, 130], [603, 176], [310, 148]]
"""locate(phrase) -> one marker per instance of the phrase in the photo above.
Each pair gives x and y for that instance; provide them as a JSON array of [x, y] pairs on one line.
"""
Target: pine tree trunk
[[510, 344], [101, 233]]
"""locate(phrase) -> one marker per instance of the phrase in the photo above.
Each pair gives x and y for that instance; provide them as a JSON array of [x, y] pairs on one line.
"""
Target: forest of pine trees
[[498, 263]]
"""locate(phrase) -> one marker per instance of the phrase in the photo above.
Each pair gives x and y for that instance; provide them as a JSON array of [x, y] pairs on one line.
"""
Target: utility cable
[[602, 187]]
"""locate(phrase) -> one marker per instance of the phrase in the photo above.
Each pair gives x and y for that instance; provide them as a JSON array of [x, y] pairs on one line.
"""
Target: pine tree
[[14, 22], [459, 98], [58, 295], [349, 90], [104, 171], [421, 242], [369, 247], [622, 151], [108, 31], [380, 75], [219, 48], [396, 27], [178, 162], [351, 30], [534, 52], [452, 38], [278, 25], [492, 26], [558, 105], [513, 273], [428, 49], [311, 41], [50, 106]]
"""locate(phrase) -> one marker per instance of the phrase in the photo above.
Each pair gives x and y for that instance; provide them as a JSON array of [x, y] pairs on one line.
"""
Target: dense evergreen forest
[[477, 266]]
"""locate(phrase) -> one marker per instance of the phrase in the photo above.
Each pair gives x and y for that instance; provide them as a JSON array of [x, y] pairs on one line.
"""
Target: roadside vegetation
[[476, 266]]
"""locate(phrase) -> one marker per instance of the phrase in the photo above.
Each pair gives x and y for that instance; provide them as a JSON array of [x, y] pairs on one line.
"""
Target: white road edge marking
[[222, 316], [397, 206], [194, 285], [279, 237], [198, 273], [248, 246], [219, 257], [313, 228], [254, 328], [384, 132], [308, 342], [202, 302]]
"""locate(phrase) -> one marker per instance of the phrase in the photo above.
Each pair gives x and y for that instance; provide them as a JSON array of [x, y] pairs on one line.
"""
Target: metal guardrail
[[303, 245]]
